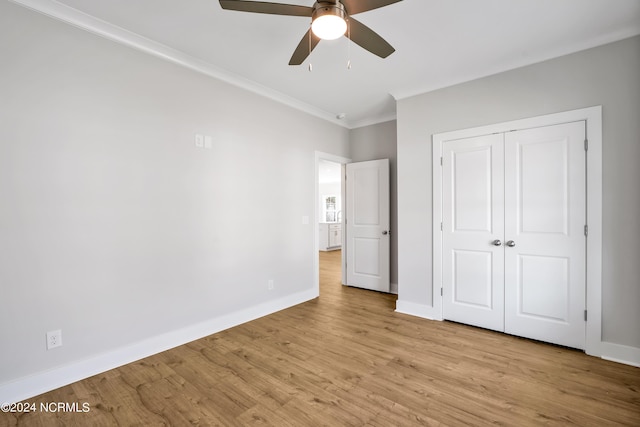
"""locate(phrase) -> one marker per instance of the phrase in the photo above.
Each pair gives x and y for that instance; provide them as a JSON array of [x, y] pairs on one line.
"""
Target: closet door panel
[[473, 218], [545, 210]]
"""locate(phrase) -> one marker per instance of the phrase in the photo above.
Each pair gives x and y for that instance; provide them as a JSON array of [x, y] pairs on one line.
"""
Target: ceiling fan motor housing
[[329, 19], [335, 8]]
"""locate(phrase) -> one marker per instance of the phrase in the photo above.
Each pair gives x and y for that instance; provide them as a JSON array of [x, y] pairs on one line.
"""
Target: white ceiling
[[438, 43]]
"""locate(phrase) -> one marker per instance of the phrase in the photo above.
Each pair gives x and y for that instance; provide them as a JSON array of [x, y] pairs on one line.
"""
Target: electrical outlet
[[54, 339], [270, 285]]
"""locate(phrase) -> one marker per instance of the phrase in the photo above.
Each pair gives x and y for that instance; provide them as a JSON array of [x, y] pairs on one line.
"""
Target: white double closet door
[[514, 207]]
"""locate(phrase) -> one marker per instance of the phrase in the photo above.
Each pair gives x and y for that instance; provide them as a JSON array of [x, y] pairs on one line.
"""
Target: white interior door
[[367, 225], [473, 228], [545, 215]]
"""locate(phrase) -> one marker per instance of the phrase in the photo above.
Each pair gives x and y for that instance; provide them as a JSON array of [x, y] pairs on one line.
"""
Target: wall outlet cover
[[54, 339]]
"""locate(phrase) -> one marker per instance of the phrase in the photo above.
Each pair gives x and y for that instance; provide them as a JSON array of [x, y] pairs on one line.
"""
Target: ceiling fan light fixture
[[329, 22]]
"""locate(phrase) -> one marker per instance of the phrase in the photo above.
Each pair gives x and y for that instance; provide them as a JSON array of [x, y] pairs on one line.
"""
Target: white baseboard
[[620, 353], [419, 310], [42, 382]]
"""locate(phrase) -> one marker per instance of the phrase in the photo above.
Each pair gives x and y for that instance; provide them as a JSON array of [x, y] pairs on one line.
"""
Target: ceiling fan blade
[[368, 39], [304, 49], [263, 7], [359, 6]]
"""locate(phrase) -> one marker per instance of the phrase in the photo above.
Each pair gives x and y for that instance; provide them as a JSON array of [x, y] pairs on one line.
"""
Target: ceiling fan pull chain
[[348, 44], [310, 64]]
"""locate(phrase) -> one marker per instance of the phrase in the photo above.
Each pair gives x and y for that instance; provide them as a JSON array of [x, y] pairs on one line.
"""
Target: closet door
[[545, 246], [473, 228]]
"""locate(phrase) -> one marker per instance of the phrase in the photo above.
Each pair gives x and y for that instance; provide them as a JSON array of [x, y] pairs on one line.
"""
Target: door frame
[[593, 118], [319, 155]]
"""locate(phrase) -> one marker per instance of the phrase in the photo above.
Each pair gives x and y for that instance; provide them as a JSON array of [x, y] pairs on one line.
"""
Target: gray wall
[[380, 142], [113, 226], [609, 76]]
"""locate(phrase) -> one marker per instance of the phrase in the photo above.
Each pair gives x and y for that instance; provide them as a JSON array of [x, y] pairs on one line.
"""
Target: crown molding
[[575, 48], [382, 118], [84, 21]]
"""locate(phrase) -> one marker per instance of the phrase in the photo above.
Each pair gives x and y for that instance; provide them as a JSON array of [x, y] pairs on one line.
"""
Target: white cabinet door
[[545, 212], [335, 235], [473, 219], [367, 225]]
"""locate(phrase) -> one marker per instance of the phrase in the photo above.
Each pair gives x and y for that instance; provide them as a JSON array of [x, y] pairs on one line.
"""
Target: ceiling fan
[[330, 19]]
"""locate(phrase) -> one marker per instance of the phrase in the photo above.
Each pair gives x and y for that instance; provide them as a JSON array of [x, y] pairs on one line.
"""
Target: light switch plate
[[199, 140], [208, 141]]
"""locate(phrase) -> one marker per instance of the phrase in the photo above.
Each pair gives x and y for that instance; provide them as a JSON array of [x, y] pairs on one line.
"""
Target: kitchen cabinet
[[330, 236]]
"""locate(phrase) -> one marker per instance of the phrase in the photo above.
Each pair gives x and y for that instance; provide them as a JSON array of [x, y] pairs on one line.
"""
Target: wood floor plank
[[347, 358]]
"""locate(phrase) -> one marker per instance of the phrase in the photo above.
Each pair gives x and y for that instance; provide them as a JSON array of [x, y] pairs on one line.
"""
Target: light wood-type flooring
[[345, 359]]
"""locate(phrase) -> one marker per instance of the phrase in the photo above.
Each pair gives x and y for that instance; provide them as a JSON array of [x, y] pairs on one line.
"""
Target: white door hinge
[[585, 315], [586, 145], [441, 292], [586, 231]]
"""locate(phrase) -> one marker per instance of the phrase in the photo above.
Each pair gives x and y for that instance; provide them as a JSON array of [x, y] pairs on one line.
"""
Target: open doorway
[[329, 224]]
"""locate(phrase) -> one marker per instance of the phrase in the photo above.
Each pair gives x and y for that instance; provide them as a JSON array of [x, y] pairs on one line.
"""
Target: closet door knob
[[496, 242], [511, 243]]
